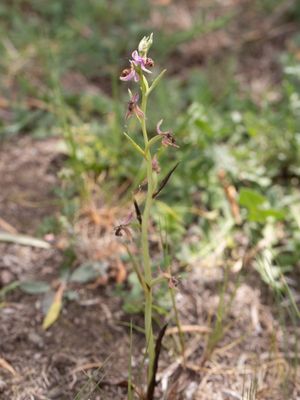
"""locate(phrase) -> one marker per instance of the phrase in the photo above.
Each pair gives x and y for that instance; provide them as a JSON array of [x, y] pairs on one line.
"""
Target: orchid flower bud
[[145, 45]]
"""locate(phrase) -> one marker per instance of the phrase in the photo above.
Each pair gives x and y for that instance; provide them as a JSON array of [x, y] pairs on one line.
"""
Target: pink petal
[[158, 130], [128, 77], [135, 98], [136, 57], [139, 112]]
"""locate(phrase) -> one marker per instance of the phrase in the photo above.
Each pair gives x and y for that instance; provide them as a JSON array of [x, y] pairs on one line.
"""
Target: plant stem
[[145, 243], [181, 335]]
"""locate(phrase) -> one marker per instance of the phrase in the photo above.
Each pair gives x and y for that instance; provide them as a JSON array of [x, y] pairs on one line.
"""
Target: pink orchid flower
[[133, 107], [167, 136]]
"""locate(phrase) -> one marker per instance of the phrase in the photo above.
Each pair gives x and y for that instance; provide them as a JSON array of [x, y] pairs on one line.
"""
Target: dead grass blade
[[188, 329], [24, 240], [4, 364], [55, 308]]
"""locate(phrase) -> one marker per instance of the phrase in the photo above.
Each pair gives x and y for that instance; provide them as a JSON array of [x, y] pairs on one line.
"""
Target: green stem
[[145, 241], [157, 280], [152, 141]]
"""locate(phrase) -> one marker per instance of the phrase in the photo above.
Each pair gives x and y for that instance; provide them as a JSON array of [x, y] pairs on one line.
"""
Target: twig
[[4, 364], [24, 240], [7, 227], [188, 329]]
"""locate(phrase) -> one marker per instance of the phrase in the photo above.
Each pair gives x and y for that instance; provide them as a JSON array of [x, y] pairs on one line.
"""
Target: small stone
[[35, 339], [6, 277], [3, 386], [55, 393]]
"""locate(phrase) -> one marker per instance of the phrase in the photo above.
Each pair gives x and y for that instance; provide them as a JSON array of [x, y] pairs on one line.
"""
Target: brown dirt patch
[[85, 354]]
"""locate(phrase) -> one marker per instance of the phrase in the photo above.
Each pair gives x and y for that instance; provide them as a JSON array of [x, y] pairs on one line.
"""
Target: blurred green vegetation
[[60, 64]]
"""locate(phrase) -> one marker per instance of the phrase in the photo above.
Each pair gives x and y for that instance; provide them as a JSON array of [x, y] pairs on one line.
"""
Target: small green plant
[[139, 65]]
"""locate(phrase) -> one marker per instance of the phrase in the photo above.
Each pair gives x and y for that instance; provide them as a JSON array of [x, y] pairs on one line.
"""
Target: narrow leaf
[[134, 144], [156, 81], [55, 308], [152, 383], [164, 181], [137, 211], [88, 272]]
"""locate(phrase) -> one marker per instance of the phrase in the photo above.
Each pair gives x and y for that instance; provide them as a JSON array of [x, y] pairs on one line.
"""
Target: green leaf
[[88, 272], [156, 81], [251, 198], [134, 144], [71, 295], [269, 272], [272, 212], [257, 206], [34, 287]]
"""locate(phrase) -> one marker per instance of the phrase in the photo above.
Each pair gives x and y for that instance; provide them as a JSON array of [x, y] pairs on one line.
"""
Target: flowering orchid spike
[[145, 45], [139, 62]]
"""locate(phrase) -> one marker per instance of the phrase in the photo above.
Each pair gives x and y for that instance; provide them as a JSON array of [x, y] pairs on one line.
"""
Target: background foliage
[[60, 65]]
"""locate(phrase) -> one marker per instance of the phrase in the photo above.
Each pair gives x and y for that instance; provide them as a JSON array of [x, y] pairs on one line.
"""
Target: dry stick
[[188, 329], [7, 227], [171, 369], [24, 240]]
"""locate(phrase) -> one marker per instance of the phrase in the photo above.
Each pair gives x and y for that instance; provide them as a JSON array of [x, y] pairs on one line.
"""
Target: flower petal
[[136, 57], [158, 130], [135, 98], [128, 77], [139, 112]]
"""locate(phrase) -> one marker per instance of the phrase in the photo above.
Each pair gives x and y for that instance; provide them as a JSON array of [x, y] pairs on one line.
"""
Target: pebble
[[3, 386], [55, 393], [6, 277], [34, 338]]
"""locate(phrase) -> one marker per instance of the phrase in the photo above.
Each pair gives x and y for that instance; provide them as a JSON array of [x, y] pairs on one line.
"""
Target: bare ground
[[85, 353]]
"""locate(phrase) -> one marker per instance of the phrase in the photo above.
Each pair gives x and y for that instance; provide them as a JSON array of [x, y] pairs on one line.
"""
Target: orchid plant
[[139, 66]]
